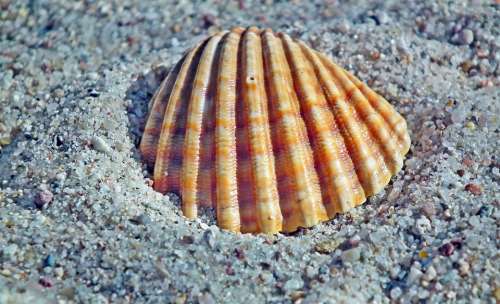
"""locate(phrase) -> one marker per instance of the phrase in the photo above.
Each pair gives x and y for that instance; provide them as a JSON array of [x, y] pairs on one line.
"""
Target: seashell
[[269, 132]]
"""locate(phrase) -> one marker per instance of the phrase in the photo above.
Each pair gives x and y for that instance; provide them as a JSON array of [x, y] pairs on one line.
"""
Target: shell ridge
[[371, 119], [321, 127], [175, 112], [206, 188], [396, 122], [349, 127], [228, 215], [196, 111], [381, 106], [246, 172], [391, 116], [330, 92], [301, 209], [157, 108], [393, 119], [373, 157], [259, 150], [374, 122], [281, 164], [315, 207]]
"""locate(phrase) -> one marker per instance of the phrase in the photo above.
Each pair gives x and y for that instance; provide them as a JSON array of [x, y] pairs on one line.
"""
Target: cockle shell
[[271, 133]]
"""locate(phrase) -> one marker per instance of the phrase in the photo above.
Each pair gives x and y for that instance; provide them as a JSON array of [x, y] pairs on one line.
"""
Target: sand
[[79, 222]]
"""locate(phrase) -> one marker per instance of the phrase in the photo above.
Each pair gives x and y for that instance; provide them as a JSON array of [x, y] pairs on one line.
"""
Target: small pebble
[[239, 253], [351, 255], [428, 209], [311, 272], [468, 162], [59, 93], [297, 296], [181, 299], [100, 145], [422, 225], [45, 282], [466, 37], [9, 252], [447, 249], [430, 274], [93, 93], [496, 294], [160, 268], [451, 294], [485, 211], [382, 18], [92, 76], [414, 275], [59, 272], [49, 261], [470, 125], [463, 267], [423, 294], [343, 26], [395, 293], [328, 246], [43, 198], [206, 298], [293, 284], [210, 237], [209, 20], [4, 141], [474, 188], [352, 242], [141, 219]]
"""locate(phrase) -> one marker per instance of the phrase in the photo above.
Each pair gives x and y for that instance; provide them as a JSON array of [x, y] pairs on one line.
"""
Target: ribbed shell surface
[[269, 132]]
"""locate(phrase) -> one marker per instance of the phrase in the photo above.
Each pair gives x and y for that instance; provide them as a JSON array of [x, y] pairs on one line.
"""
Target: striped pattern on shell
[[271, 133]]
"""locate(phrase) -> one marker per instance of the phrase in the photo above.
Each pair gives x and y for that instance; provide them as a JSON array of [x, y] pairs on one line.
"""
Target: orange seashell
[[271, 133]]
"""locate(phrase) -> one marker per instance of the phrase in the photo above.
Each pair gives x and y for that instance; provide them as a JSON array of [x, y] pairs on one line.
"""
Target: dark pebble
[[265, 265], [457, 243], [229, 270], [43, 198], [474, 189], [142, 219], [45, 282], [447, 249], [485, 211], [187, 240], [239, 253], [49, 261], [93, 93], [209, 20]]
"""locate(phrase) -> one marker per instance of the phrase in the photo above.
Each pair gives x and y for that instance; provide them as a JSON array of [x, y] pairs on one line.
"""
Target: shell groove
[[269, 132]]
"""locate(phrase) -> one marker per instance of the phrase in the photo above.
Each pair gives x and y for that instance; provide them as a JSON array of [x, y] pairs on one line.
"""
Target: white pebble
[[9, 252], [100, 145], [414, 275], [466, 37], [351, 255], [396, 292], [430, 274], [422, 225]]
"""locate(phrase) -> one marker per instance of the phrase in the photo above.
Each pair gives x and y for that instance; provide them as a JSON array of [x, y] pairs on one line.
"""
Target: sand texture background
[[80, 224]]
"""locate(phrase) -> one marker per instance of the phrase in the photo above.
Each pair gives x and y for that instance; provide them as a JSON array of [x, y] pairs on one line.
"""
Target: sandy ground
[[79, 223]]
